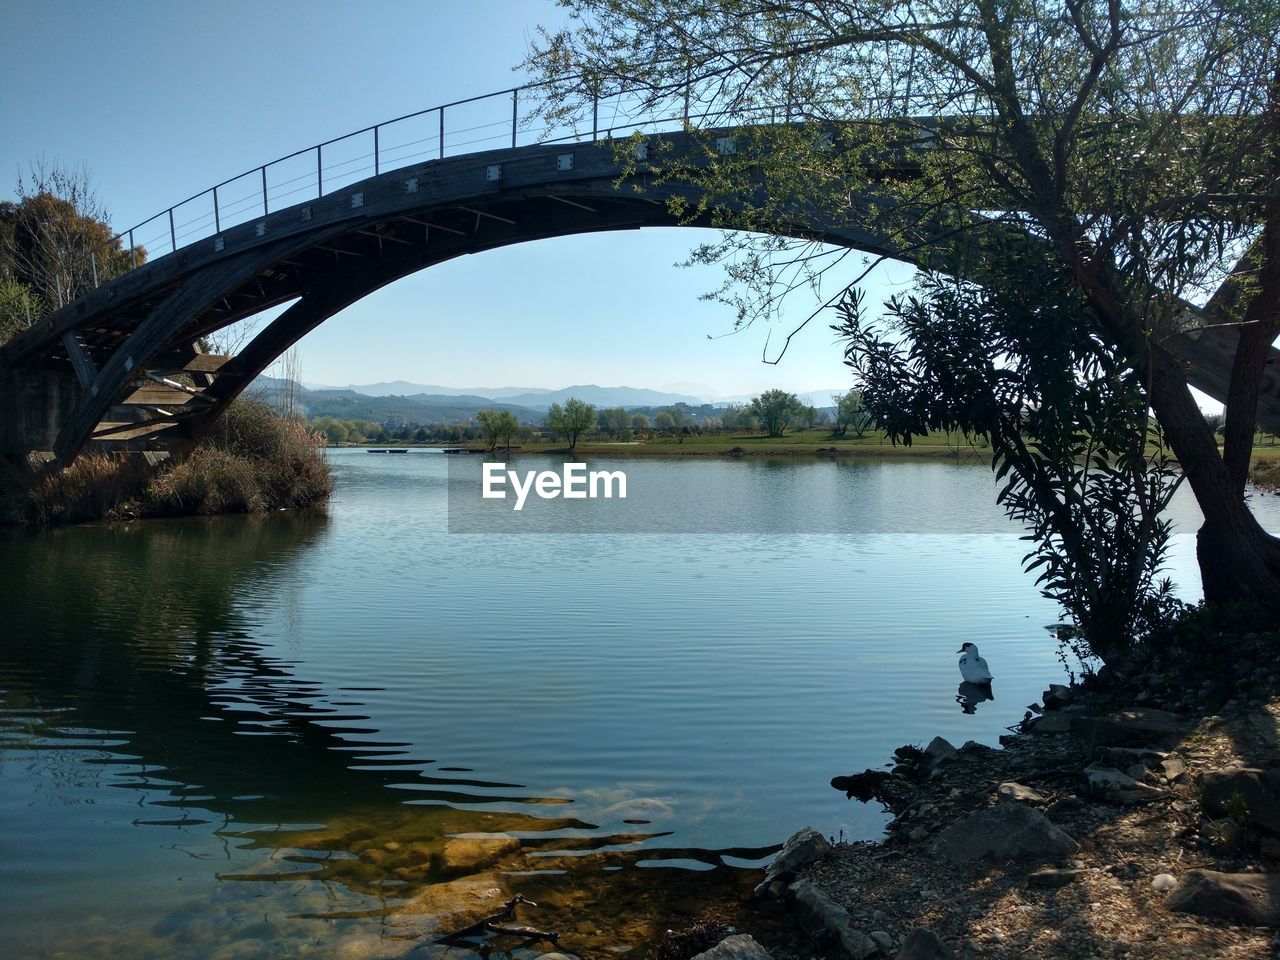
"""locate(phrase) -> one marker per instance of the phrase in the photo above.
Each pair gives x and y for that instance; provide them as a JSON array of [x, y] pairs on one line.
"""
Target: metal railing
[[487, 122]]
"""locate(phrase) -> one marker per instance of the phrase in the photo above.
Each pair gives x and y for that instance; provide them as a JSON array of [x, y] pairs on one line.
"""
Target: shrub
[[252, 459]]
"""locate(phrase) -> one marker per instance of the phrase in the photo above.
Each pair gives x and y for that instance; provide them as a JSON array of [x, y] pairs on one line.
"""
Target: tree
[[665, 421], [774, 409], [737, 417], [805, 417], [572, 420], [639, 423], [1134, 147], [1067, 425], [851, 412], [616, 422], [497, 426], [55, 241]]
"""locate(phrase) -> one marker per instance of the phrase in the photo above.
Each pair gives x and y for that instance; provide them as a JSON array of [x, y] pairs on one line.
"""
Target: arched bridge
[[122, 367]]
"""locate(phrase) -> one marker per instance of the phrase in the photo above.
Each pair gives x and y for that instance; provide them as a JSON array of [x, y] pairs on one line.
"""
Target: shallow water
[[263, 736]]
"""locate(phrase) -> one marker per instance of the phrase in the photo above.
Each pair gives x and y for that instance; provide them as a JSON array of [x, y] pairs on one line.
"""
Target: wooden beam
[[572, 203], [434, 226], [81, 362], [385, 236], [130, 431], [199, 363], [491, 216]]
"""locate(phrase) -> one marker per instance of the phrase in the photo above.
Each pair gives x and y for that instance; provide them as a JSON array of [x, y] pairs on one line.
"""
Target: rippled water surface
[[332, 735]]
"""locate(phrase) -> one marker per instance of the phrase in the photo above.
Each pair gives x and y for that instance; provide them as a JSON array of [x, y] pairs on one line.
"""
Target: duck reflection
[[969, 695]]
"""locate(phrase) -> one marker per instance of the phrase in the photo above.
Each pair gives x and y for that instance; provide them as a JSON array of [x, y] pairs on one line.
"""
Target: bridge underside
[[122, 368]]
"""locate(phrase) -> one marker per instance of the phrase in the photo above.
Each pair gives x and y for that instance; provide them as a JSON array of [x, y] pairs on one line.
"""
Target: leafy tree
[[1135, 147], [55, 239], [737, 417], [616, 423], [16, 310], [774, 409], [1067, 425], [805, 417], [572, 420], [497, 426], [665, 421], [851, 412], [639, 423]]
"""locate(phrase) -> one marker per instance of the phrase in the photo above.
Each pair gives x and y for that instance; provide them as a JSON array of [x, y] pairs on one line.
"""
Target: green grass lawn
[[817, 441]]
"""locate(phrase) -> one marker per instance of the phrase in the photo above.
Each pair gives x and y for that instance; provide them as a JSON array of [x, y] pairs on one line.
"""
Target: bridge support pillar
[[35, 404]]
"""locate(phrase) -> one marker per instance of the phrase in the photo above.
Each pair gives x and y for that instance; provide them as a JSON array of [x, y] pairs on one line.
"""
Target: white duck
[[973, 667]]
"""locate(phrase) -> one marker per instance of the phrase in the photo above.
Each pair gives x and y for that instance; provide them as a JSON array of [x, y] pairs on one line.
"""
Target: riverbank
[[251, 460], [1264, 473], [1138, 819], [804, 443]]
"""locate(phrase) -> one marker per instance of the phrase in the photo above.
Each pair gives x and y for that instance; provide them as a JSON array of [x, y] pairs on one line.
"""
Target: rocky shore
[[1139, 818]]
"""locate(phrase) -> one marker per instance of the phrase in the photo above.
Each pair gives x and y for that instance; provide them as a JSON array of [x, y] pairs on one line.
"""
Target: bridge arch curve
[[126, 342], [104, 370]]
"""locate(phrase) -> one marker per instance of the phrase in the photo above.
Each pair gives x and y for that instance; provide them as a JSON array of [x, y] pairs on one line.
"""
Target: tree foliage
[[497, 426], [616, 422], [774, 410], [1016, 361], [1133, 146], [851, 412], [55, 241], [572, 420]]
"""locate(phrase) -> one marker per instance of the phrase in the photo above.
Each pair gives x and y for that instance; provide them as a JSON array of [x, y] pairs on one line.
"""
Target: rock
[[973, 746], [1108, 783], [1056, 697], [1252, 898], [741, 946], [827, 922], [923, 944], [1021, 793], [805, 846], [1120, 757], [469, 854], [1164, 882], [1259, 789], [1053, 723], [445, 907], [1051, 879], [1135, 727], [1007, 831], [1173, 769], [938, 751], [1065, 805], [882, 939], [918, 833]]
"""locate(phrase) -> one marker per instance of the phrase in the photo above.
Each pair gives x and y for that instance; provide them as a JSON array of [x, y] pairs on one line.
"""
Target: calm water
[[263, 736]]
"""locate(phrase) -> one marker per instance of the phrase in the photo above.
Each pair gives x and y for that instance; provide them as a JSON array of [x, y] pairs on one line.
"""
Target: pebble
[[1164, 882]]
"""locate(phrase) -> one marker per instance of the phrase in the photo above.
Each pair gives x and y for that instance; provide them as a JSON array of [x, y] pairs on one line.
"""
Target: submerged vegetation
[[253, 459]]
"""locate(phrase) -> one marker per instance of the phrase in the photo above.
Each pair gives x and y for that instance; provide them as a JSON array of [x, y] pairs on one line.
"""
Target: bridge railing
[[508, 118]]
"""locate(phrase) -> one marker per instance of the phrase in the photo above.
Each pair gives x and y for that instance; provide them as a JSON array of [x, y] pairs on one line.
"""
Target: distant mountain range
[[540, 398], [424, 403]]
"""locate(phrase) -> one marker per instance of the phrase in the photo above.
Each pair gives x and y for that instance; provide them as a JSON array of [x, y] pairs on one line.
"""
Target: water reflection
[[133, 695], [969, 695]]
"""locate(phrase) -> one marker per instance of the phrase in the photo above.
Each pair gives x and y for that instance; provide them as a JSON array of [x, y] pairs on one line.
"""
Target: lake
[[285, 735]]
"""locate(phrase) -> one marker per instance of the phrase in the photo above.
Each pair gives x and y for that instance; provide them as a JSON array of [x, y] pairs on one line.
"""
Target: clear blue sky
[[163, 99]]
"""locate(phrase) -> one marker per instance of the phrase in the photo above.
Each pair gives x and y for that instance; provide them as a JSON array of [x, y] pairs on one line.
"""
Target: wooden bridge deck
[[127, 352]]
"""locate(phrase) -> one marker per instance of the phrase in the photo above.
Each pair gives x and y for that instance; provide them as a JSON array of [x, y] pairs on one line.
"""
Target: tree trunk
[[1239, 561]]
